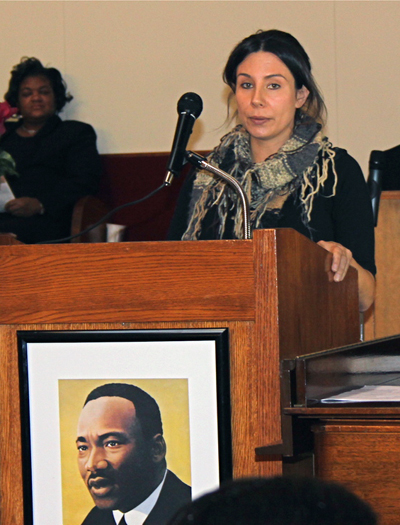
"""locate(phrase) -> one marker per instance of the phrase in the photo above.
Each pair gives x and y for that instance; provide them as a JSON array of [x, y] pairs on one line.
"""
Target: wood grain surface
[[215, 284], [362, 455], [383, 319], [127, 282]]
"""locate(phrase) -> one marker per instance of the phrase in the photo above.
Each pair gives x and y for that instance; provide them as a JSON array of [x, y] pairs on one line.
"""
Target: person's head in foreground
[[277, 501]]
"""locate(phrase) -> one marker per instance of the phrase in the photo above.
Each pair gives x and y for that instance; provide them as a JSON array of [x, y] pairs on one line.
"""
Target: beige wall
[[128, 62]]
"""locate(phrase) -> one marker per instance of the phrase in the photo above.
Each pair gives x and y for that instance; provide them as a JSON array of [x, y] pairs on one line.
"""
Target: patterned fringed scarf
[[267, 184]]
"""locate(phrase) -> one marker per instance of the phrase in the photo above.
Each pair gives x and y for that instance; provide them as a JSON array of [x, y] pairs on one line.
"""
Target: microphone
[[376, 171], [190, 106]]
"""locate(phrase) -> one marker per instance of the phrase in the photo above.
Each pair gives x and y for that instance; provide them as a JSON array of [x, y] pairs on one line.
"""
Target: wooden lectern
[[356, 444], [275, 295]]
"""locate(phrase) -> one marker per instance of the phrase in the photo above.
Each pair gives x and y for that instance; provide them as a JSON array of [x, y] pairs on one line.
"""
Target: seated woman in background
[[292, 174], [57, 161]]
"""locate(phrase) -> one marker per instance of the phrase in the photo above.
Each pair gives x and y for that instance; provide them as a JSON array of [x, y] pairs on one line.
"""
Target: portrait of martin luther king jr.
[[121, 458]]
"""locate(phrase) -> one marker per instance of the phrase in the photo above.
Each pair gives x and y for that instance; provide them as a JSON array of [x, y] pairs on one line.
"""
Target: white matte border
[[48, 362]]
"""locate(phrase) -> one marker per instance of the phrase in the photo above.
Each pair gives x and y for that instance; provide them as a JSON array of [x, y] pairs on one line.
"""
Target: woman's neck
[[30, 129], [261, 149]]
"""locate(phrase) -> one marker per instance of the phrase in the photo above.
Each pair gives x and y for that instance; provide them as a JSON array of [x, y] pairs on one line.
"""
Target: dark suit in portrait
[[174, 495]]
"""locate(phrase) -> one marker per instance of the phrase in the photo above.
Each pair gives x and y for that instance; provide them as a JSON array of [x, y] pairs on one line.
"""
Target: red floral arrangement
[[6, 112]]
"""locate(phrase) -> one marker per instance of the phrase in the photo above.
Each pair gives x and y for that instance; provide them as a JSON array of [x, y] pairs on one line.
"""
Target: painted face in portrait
[[267, 100], [36, 101], [116, 464]]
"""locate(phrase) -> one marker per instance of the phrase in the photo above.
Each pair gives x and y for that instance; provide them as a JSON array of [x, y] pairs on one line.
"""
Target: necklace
[[30, 131]]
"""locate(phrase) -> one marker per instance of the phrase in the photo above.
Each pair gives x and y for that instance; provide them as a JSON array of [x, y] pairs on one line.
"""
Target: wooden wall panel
[[383, 319], [363, 456]]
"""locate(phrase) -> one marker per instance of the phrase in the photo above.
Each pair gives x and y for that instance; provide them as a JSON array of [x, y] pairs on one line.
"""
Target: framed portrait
[[186, 372]]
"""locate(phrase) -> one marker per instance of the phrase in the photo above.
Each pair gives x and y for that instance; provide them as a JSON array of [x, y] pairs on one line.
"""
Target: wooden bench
[[130, 176]]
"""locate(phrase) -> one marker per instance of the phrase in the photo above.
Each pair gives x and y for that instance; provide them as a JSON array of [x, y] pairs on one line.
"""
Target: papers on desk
[[367, 394], [5, 193]]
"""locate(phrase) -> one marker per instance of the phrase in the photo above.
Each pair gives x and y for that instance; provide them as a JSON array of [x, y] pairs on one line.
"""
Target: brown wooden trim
[[6, 239], [389, 195], [337, 412], [145, 154]]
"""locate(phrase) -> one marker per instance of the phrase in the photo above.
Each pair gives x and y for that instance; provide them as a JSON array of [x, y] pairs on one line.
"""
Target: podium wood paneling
[[274, 293], [362, 454], [357, 444], [8, 239], [383, 319]]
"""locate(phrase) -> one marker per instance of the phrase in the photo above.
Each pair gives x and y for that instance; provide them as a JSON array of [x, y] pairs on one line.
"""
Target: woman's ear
[[301, 95], [158, 448]]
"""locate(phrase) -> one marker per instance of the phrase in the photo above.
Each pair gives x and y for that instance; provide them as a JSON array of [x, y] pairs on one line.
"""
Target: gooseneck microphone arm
[[200, 162]]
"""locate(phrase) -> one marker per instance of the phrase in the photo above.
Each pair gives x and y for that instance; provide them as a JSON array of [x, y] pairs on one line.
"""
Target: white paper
[[367, 394], [115, 232], [6, 194]]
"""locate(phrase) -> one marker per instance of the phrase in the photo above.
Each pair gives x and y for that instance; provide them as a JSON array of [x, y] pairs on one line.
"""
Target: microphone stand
[[200, 162]]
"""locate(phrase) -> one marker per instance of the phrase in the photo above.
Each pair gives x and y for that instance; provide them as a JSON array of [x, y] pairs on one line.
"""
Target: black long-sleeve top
[[345, 218]]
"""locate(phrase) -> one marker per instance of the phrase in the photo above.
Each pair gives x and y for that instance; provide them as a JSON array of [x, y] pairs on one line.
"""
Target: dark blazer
[[57, 166], [391, 177], [174, 495]]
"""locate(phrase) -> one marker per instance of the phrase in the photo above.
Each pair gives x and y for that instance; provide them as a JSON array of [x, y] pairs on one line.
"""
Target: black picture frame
[[36, 348]]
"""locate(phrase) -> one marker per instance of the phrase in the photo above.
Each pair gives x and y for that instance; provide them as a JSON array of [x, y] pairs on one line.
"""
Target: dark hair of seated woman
[[32, 67]]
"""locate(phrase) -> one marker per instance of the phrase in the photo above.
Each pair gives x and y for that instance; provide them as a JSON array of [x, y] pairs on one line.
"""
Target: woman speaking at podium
[[292, 174]]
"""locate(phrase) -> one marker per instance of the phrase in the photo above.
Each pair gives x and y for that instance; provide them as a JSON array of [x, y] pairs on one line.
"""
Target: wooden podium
[[383, 318], [274, 293], [355, 444]]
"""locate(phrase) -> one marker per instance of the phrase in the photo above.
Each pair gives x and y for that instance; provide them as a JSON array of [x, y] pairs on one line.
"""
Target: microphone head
[[190, 103], [377, 159]]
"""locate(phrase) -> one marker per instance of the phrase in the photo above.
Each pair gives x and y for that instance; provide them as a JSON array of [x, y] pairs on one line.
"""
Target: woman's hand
[[342, 259], [24, 207]]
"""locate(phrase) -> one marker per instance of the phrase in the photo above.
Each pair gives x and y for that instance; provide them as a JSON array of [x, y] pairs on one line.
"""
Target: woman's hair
[[292, 54], [32, 67]]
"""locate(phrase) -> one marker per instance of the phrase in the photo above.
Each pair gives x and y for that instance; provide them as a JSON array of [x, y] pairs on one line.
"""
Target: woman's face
[[267, 100], [36, 101]]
